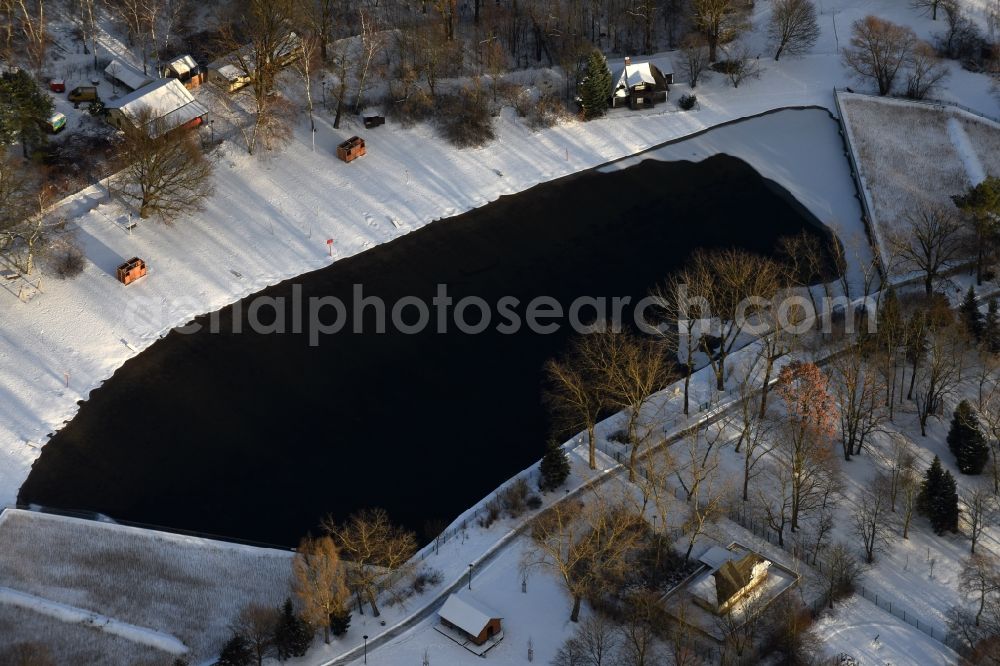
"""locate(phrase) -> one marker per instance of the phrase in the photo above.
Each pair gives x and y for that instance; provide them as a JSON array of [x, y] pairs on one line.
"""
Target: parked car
[[56, 123], [57, 85], [83, 94]]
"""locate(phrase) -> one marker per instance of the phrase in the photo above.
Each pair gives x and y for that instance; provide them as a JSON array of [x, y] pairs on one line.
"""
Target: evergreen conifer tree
[[966, 440], [595, 89], [972, 318], [292, 635], [554, 467], [991, 327], [24, 110], [236, 652], [340, 622], [938, 498]]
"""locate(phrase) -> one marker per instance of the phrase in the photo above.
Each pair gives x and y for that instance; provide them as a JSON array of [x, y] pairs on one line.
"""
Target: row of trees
[[349, 565]]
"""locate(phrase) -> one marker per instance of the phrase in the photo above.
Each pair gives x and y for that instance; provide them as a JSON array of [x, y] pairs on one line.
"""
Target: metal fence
[[746, 517]]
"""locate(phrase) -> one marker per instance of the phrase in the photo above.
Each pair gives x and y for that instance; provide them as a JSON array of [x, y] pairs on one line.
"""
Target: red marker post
[[329, 244]]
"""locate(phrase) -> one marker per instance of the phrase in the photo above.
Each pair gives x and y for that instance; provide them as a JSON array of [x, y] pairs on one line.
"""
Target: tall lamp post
[[366, 647]]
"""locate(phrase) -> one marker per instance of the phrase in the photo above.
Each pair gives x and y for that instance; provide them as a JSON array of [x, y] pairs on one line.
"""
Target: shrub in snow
[[426, 577], [546, 112], [67, 261], [938, 498], [493, 508], [534, 502], [687, 102], [554, 467], [966, 440], [464, 118], [513, 496], [409, 103]]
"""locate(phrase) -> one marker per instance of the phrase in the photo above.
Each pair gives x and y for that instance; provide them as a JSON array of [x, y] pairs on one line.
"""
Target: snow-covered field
[[161, 593], [913, 156]]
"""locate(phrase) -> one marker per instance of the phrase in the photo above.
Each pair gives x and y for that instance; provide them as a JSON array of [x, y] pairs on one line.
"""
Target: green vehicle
[[83, 94], [55, 124]]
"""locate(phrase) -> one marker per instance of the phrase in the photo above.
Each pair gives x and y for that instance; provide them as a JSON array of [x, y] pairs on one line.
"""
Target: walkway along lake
[[258, 436]]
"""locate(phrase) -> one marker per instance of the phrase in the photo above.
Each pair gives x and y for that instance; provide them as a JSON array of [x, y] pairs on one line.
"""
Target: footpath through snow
[[72, 614]]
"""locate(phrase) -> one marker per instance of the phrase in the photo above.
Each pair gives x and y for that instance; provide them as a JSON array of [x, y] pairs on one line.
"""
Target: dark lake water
[[258, 436]]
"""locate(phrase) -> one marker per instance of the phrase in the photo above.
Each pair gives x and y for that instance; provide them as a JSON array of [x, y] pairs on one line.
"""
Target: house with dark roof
[[730, 583], [641, 85]]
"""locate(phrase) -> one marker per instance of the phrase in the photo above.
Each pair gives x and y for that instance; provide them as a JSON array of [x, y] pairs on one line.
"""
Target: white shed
[[167, 101], [118, 71]]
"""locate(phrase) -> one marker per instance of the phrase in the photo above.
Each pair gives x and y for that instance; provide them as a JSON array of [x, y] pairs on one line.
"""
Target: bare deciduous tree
[[256, 624], [898, 462], [840, 570], [932, 243], [857, 389], [582, 544], [977, 503], [909, 487], [756, 438], [574, 389], [319, 581], [376, 549], [930, 6], [694, 58], [938, 377], [732, 284], [871, 518], [879, 49], [719, 21], [980, 578], [165, 173], [926, 70], [631, 369], [272, 45], [805, 440], [793, 27], [741, 623]]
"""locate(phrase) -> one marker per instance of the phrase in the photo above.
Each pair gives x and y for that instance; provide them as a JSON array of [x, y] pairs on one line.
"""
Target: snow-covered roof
[[167, 100], [183, 65], [229, 72], [467, 614], [704, 588], [634, 74], [127, 74], [231, 67], [715, 557]]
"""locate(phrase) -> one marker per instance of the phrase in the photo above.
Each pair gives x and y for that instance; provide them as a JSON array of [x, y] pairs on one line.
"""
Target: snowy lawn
[[862, 630], [151, 588], [913, 156]]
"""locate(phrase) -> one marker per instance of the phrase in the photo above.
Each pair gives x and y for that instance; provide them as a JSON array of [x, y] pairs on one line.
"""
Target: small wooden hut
[[131, 270], [470, 620], [351, 149]]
